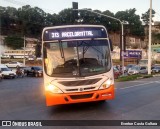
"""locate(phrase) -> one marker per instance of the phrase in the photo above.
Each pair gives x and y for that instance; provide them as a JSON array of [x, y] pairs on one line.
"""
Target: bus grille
[[85, 96], [80, 82], [87, 88]]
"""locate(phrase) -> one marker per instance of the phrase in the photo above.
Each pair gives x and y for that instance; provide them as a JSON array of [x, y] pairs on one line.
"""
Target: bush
[[14, 42], [132, 77]]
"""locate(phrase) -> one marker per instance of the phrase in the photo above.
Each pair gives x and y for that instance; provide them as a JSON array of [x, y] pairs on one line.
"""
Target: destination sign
[[74, 33]]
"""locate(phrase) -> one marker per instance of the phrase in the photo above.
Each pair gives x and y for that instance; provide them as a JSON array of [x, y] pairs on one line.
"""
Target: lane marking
[[139, 81], [136, 85]]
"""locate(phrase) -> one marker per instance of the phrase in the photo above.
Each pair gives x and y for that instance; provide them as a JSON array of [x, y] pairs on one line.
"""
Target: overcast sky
[[55, 6]]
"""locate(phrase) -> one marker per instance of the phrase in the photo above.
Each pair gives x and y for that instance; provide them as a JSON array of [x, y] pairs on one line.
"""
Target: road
[[23, 99]]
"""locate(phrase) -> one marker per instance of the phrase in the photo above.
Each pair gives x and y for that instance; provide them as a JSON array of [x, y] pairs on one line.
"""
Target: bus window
[[93, 56]]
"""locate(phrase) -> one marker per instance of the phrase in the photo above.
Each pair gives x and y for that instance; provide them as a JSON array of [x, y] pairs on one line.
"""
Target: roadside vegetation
[[29, 21], [132, 77]]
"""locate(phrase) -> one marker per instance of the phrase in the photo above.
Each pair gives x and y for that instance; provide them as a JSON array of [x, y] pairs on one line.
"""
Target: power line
[[15, 2], [22, 4]]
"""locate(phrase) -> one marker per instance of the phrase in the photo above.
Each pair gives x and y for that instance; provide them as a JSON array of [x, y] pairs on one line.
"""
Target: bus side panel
[[57, 99]]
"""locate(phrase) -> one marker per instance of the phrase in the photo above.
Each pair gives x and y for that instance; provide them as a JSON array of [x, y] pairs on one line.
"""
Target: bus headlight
[[52, 88], [106, 84]]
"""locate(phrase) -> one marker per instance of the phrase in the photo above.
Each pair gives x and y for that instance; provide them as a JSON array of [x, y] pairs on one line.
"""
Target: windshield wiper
[[61, 50], [86, 48], [78, 63]]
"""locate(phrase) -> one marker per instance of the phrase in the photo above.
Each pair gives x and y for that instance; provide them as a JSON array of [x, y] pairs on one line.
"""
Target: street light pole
[[149, 44], [122, 29], [122, 54]]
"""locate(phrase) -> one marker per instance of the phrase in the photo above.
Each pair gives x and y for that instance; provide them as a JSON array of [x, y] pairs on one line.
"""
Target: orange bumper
[[57, 99]]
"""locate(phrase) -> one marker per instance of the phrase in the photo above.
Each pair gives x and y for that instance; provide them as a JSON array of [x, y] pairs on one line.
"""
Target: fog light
[[103, 95]]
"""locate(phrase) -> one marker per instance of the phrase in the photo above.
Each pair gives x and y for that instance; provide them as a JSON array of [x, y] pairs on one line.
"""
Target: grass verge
[[132, 77]]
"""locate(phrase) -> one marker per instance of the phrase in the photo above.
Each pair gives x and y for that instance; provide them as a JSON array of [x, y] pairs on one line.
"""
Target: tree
[[65, 17], [88, 17], [51, 20], [38, 50], [155, 37], [31, 20], [132, 21], [14, 42], [145, 16], [8, 17], [109, 23]]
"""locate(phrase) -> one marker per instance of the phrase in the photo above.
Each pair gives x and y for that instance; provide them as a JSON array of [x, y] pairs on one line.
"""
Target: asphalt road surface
[[23, 99]]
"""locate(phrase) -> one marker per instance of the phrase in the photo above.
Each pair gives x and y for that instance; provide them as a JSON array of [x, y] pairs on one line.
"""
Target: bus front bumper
[[68, 98]]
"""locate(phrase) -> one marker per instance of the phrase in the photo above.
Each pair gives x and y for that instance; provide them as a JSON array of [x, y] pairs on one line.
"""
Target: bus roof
[[71, 26], [74, 32]]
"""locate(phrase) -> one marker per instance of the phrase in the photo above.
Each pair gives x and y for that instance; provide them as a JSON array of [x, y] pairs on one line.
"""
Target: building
[[30, 44], [155, 44], [131, 41]]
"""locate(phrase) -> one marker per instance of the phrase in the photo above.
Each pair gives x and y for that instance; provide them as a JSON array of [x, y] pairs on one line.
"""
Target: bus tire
[[102, 101]]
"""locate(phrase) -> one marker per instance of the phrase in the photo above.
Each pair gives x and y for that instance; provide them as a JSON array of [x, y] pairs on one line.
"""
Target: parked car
[[156, 69], [6, 72], [119, 67], [137, 70], [129, 66], [25, 70], [34, 71], [14, 64]]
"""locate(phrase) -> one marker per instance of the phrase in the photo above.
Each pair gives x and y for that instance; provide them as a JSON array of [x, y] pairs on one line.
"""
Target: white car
[[14, 64], [6, 72], [137, 70], [39, 58]]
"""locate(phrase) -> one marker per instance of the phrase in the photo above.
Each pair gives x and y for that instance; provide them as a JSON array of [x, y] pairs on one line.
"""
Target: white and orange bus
[[77, 64]]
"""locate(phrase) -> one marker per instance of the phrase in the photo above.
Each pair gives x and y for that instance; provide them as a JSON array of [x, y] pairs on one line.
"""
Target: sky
[[55, 6]]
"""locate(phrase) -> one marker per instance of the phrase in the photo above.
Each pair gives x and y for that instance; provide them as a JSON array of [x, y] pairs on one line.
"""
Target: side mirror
[[110, 43]]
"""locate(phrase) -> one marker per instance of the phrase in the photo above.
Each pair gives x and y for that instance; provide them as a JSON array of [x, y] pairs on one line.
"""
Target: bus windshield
[[76, 58]]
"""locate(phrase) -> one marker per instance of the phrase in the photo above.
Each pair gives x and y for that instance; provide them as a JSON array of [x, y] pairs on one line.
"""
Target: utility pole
[[24, 60], [149, 43], [0, 48], [0, 43]]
